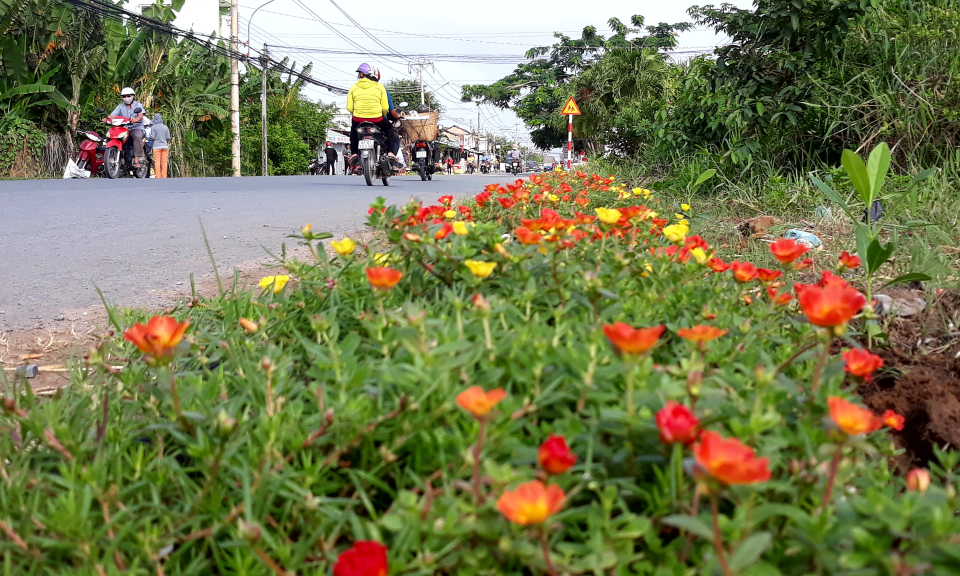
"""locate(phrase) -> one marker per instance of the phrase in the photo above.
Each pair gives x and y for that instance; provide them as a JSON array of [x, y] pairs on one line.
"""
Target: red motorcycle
[[118, 152], [90, 156]]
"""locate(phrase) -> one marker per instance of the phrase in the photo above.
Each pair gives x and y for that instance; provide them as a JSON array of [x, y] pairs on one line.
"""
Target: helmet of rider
[[374, 74], [422, 108], [127, 93], [364, 69]]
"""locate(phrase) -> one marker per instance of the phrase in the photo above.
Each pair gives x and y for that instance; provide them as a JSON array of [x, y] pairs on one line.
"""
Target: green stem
[[821, 362], [630, 380], [718, 535], [546, 554], [831, 480], [477, 496]]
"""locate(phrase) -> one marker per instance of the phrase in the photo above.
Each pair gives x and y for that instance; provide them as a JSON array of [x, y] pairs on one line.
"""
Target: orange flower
[[830, 306], [630, 340], [531, 503], [479, 402], [768, 275], [718, 265], [701, 333], [555, 456], [743, 271], [729, 460], [383, 278], [803, 264], [918, 480], [159, 337], [852, 419], [893, 420], [862, 363], [781, 299], [787, 250], [526, 235], [847, 261]]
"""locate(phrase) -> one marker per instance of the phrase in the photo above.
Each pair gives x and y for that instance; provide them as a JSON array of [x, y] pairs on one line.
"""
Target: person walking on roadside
[[346, 159], [449, 164], [331, 153], [161, 146], [133, 111]]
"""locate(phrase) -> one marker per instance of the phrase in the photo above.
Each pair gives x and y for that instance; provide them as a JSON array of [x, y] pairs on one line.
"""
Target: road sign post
[[570, 110]]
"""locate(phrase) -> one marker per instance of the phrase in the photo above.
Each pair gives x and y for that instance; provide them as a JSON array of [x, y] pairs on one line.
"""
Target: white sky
[[496, 27]]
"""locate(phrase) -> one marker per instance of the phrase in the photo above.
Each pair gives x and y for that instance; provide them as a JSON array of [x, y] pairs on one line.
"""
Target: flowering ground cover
[[554, 378]]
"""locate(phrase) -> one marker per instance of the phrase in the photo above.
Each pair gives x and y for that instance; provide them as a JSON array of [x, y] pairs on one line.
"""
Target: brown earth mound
[[921, 379]]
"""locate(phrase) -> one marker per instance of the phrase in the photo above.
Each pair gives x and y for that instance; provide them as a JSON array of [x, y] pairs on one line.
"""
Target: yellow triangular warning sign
[[571, 108]]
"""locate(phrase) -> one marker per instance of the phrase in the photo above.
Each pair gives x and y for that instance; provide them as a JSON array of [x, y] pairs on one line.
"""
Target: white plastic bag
[[74, 171]]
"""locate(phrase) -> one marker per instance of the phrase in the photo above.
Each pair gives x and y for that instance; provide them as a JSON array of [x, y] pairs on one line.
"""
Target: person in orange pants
[[161, 146]]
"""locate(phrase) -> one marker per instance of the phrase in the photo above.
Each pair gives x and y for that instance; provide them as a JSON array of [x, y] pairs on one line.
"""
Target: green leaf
[[878, 254], [690, 524], [909, 277], [863, 238], [857, 172], [706, 175], [830, 193], [877, 166], [922, 176], [750, 550], [760, 108]]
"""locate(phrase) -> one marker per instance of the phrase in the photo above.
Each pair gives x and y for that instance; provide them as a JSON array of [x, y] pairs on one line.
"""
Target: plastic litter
[[74, 171], [808, 239]]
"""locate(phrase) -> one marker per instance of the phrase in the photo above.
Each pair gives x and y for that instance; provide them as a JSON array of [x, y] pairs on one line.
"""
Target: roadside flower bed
[[554, 378]]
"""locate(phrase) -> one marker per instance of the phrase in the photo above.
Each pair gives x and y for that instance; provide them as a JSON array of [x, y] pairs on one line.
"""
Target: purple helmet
[[365, 69]]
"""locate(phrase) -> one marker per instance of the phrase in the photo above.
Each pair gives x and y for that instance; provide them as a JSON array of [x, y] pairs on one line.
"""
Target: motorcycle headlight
[[123, 136]]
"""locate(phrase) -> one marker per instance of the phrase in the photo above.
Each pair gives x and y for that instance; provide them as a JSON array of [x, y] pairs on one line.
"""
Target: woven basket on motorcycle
[[422, 126]]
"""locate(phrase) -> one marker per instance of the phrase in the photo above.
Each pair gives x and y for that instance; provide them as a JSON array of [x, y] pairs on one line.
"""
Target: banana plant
[[868, 180]]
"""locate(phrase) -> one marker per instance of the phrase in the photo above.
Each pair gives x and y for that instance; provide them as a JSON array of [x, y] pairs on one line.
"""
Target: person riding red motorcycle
[[133, 111], [367, 101]]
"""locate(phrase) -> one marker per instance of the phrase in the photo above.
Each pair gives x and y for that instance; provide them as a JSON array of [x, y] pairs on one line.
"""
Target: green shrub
[[294, 420]]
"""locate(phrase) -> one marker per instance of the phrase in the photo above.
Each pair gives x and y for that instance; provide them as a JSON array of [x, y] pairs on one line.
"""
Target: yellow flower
[[381, 259], [638, 191], [450, 214], [479, 268], [344, 247], [608, 215], [460, 228], [624, 195], [675, 233], [276, 282], [501, 250], [699, 255], [679, 217], [649, 269], [651, 215], [685, 207], [554, 198], [306, 229]]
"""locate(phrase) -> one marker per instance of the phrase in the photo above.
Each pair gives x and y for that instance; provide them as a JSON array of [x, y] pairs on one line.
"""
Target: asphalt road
[[137, 238]]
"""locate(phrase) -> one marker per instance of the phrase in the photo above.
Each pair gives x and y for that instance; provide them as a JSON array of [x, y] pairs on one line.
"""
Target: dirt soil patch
[[921, 379]]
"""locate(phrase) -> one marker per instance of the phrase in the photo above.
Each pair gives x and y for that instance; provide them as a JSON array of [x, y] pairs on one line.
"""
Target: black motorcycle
[[513, 166], [485, 167], [470, 168], [423, 159], [372, 147]]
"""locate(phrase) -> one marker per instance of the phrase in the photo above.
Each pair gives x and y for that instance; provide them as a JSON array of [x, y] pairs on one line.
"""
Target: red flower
[[743, 271], [478, 402], [786, 250], [697, 241], [445, 200], [781, 299], [383, 278], [630, 340], [803, 264], [852, 419], [862, 363], [491, 187], [847, 261], [677, 423], [729, 460], [159, 337], [768, 275], [445, 229], [482, 198], [507, 203], [718, 265], [526, 235], [701, 333], [555, 456], [531, 503], [830, 306], [581, 201], [893, 420], [365, 558]]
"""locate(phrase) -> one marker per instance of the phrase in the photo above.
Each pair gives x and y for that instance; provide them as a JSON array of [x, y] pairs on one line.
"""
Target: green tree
[[405, 90]]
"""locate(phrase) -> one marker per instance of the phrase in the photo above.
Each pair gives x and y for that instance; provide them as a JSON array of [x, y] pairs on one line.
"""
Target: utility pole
[[421, 64], [265, 61], [235, 85]]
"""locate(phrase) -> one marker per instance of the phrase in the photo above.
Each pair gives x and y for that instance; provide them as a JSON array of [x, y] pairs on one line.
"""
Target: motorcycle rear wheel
[[368, 170], [111, 163], [422, 171], [144, 170]]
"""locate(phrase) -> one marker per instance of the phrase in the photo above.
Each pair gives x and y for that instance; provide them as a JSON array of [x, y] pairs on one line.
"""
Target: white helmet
[[128, 91]]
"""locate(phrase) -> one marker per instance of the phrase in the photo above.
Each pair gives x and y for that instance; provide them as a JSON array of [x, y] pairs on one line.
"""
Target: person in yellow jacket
[[367, 102]]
